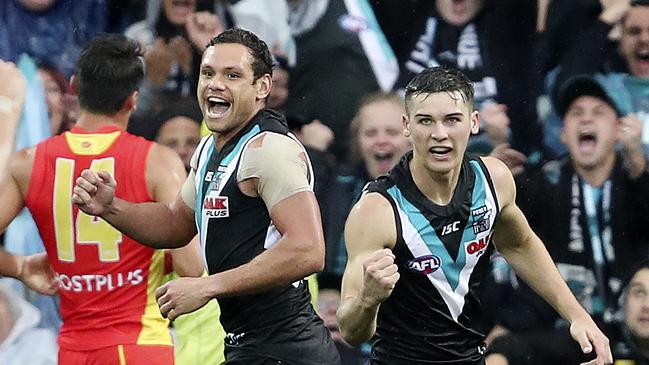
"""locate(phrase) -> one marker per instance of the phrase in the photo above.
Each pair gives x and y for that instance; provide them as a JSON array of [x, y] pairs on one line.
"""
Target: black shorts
[[463, 362], [312, 346], [400, 352], [540, 347]]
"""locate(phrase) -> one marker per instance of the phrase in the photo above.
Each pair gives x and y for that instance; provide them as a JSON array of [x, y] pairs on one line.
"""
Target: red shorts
[[120, 355]]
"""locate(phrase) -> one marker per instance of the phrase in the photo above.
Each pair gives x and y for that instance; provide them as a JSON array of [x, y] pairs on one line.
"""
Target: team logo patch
[[215, 206], [424, 264], [481, 219]]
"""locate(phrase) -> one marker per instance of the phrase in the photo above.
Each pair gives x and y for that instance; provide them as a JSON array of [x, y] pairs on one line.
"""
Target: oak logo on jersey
[[215, 206], [481, 219], [424, 264], [478, 246]]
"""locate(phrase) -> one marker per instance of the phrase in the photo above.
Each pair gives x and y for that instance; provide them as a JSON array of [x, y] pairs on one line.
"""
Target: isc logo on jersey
[[215, 206], [424, 264]]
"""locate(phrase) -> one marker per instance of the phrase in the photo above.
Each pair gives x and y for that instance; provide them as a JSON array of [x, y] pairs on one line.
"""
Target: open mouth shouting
[[440, 152], [217, 107], [587, 141], [642, 60], [182, 8], [459, 7], [385, 160]]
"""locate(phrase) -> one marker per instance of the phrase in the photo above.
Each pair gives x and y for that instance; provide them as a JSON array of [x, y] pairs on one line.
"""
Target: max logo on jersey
[[424, 264], [215, 206]]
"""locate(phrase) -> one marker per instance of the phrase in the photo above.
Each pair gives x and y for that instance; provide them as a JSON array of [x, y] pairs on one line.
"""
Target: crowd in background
[[341, 66]]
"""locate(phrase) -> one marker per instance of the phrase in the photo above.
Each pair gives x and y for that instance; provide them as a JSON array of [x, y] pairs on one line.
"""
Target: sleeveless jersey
[[235, 228], [106, 280], [433, 315]]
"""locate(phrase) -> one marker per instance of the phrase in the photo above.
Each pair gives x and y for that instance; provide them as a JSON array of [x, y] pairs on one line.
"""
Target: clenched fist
[[380, 276]]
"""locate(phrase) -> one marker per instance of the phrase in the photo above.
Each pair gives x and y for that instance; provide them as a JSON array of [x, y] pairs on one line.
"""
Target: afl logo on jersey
[[352, 23], [215, 206], [424, 264]]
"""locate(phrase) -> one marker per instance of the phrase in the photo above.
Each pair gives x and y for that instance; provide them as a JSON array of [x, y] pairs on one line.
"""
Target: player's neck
[[91, 121], [438, 187], [597, 175], [223, 137]]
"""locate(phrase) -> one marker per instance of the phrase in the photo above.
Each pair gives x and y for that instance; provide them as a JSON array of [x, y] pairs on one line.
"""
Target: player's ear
[[475, 122], [264, 85], [130, 103], [73, 85], [406, 125]]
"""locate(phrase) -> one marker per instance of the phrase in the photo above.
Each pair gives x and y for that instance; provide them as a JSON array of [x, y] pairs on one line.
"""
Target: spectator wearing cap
[[608, 39], [634, 347], [589, 208]]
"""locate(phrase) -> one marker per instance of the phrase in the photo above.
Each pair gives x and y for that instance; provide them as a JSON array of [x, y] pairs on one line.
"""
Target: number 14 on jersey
[[86, 230]]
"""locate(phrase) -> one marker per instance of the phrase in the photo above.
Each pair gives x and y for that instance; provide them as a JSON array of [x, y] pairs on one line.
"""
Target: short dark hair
[[262, 61], [109, 70], [281, 62], [633, 269], [440, 79], [177, 107]]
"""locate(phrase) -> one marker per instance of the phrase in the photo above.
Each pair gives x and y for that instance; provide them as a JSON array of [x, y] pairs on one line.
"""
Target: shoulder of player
[[161, 153], [502, 179], [372, 201], [372, 214], [162, 163], [370, 225], [271, 153], [273, 144], [21, 164], [499, 172]]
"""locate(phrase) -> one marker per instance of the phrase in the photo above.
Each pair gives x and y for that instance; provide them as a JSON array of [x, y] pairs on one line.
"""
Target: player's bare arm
[[164, 186], [527, 254], [187, 261], [33, 270], [156, 224], [370, 274], [298, 254], [12, 96]]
